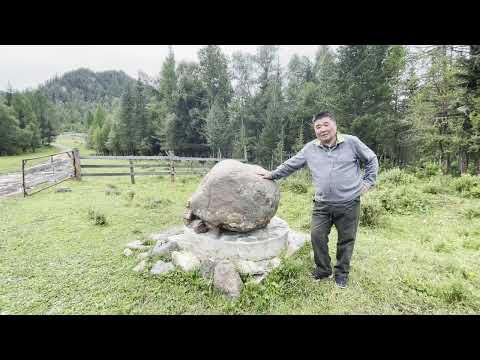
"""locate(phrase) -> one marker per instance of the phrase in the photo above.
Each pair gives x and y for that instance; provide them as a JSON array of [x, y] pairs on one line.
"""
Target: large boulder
[[233, 197]]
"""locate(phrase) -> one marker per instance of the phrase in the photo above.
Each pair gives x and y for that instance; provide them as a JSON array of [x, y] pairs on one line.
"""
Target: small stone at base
[[161, 267], [141, 266]]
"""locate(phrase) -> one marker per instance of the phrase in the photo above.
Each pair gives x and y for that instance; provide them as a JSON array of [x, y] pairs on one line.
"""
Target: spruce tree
[[9, 131]]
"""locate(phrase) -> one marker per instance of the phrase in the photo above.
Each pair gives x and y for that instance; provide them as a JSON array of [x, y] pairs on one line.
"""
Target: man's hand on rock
[[265, 174]]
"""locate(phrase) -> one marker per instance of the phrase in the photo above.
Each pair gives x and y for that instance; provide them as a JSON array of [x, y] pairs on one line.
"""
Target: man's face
[[325, 129]]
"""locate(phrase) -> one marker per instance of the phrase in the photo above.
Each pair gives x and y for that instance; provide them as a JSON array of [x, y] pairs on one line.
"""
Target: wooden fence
[[164, 165]]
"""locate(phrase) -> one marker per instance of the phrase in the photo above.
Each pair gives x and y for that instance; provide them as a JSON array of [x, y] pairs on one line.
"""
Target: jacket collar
[[340, 139]]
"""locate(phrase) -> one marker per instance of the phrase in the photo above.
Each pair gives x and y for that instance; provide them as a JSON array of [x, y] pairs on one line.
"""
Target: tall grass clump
[[404, 200], [296, 186], [427, 170], [396, 176], [467, 185], [97, 217], [371, 210]]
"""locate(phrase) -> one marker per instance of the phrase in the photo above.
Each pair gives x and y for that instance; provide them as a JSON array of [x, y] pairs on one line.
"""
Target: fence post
[[172, 170], [132, 175], [23, 179], [53, 167], [76, 165]]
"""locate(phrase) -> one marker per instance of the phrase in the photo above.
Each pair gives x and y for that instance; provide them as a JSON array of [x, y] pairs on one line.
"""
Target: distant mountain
[[84, 85], [78, 92]]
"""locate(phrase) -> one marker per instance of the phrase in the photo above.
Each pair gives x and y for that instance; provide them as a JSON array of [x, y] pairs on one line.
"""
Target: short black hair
[[323, 114]]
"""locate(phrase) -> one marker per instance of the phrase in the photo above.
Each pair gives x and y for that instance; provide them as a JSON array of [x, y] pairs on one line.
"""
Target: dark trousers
[[345, 217]]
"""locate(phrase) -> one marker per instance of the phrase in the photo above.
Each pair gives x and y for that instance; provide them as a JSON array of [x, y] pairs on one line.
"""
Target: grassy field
[[10, 164], [70, 141], [421, 257]]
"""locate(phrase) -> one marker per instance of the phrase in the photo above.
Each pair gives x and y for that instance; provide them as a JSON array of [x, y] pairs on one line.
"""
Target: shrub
[[427, 170], [295, 186], [371, 211], [466, 184], [396, 176], [433, 188], [454, 292], [97, 217], [404, 200]]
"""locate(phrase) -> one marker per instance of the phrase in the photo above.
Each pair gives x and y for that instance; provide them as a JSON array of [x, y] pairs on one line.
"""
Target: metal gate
[[47, 170]]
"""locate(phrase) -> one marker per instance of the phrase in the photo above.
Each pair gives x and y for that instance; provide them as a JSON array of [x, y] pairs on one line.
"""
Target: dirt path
[[46, 172]]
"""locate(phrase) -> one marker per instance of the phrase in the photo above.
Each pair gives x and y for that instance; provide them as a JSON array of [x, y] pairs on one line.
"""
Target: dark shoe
[[318, 275], [341, 281]]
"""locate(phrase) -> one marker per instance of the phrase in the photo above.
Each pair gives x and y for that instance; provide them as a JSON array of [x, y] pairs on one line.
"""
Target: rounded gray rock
[[233, 197]]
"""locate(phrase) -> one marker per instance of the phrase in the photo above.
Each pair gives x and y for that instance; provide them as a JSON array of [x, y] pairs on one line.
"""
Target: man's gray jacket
[[336, 172]]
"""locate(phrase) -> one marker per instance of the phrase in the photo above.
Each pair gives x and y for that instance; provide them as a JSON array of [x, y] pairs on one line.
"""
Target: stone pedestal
[[256, 245]]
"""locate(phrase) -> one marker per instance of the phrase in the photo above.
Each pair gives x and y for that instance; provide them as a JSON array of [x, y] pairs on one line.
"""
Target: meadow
[[417, 251]]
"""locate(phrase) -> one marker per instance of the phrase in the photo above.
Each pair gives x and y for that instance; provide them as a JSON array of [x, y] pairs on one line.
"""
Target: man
[[334, 160]]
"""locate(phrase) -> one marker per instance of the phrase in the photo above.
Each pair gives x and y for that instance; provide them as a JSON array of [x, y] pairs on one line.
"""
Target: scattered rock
[[161, 267], [165, 234], [259, 278], [63, 190], [164, 248], [137, 245], [175, 238], [141, 266], [127, 252], [233, 197], [227, 280], [185, 260], [143, 255], [246, 267], [207, 268], [274, 263], [295, 241]]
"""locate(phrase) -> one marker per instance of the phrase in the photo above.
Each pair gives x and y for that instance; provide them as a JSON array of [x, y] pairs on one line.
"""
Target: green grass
[[13, 163], [74, 142], [56, 259]]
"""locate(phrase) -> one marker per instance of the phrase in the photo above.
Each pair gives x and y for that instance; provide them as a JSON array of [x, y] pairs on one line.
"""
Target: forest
[[413, 105]]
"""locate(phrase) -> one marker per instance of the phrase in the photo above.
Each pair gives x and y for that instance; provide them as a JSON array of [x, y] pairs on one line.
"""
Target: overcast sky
[[27, 66]]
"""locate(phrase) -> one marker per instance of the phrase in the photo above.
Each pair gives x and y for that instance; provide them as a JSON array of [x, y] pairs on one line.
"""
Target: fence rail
[[67, 165], [168, 158], [172, 165]]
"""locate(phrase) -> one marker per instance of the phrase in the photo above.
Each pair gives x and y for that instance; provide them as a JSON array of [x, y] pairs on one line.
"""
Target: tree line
[[28, 121], [413, 105]]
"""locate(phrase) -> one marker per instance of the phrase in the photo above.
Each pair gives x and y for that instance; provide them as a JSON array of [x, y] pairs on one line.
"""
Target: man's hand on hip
[[365, 188]]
